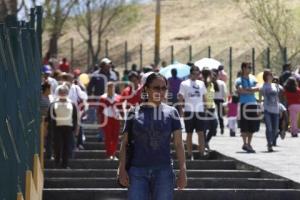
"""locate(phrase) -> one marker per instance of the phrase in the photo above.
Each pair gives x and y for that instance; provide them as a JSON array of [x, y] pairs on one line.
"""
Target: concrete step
[[108, 173], [192, 183], [96, 146], [94, 138], [101, 154], [107, 164], [187, 194], [91, 138], [101, 146], [90, 132]]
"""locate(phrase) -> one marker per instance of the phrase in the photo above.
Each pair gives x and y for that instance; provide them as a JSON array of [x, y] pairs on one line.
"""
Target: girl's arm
[[179, 147]]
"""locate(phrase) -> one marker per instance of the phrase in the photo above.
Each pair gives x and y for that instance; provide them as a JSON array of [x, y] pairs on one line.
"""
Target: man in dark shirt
[[285, 74], [174, 85], [100, 77]]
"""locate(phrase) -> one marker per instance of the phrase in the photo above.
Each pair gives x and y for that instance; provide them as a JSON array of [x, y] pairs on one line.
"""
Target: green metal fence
[[20, 79]]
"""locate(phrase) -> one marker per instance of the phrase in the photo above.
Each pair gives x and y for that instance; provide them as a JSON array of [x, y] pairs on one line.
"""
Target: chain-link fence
[[20, 79]]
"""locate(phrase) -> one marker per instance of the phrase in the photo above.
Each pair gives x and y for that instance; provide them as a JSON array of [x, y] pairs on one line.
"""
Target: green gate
[[20, 80]]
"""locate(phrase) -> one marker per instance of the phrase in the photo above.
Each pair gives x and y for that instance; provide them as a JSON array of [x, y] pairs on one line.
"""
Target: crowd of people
[[152, 107]]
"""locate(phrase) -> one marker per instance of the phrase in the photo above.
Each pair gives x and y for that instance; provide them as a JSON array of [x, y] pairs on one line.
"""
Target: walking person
[[222, 75], [220, 99], [62, 115], [192, 95], [232, 114], [173, 89], [286, 73], [44, 106], [270, 91], [131, 94], [64, 65], [283, 114], [211, 122], [109, 116], [79, 97], [249, 111], [96, 88], [292, 95], [151, 126]]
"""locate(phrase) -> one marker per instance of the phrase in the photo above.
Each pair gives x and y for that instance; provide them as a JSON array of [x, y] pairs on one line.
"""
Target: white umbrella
[[210, 63]]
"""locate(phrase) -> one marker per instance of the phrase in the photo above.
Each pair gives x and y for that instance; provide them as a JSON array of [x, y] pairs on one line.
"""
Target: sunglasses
[[158, 88]]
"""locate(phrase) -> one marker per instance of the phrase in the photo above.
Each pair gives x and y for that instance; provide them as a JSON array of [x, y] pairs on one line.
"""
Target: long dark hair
[[206, 74], [291, 85], [149, 80]]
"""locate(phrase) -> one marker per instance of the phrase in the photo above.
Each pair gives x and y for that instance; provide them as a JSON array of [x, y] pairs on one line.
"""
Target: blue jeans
[[211, 124], [272, 125], [154, 184]]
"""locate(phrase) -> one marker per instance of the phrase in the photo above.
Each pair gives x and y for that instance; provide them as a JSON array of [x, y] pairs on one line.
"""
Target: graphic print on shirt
[[194, 92]]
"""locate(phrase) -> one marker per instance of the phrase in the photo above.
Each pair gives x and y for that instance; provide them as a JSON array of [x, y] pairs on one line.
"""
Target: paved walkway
[[284, 161]]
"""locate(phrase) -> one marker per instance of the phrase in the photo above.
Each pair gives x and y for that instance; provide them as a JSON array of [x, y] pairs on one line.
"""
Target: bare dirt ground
[[200, 23]]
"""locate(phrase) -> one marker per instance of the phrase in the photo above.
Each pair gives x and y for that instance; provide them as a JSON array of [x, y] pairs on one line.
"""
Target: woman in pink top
[[232, 114], [292, 95]]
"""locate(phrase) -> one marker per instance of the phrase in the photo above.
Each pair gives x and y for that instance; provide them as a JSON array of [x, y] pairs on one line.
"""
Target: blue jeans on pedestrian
[[272, 126], [151, 183]]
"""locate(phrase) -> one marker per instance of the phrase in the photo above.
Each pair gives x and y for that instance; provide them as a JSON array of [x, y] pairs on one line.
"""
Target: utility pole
[[157, 33]]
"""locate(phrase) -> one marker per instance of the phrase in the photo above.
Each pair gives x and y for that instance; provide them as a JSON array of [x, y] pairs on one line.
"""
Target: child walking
[[232, 114]]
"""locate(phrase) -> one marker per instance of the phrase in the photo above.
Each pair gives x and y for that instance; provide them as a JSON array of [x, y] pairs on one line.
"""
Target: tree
[[274, 25], [93, 19], [57, 12]]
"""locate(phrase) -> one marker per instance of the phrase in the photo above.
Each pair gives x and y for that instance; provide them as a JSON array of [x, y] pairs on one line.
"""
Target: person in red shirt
[[132, 93], [109, 115], [64, 66], [292, 95]]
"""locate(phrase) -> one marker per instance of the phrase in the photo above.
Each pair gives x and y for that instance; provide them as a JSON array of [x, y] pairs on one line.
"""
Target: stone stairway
[[92, 177]]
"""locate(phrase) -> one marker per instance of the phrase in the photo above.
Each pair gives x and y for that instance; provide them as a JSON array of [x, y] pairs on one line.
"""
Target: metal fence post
[[172, 54], [230, 70], [141, 56], [190, 53], [209, 51], [106, 49], [72, 52], [253, 60], [88, 56], [285, 55], [126, 55], [268, 58]]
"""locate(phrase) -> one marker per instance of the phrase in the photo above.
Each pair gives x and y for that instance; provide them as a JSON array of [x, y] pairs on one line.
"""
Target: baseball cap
[[106, 61], [47, 69]]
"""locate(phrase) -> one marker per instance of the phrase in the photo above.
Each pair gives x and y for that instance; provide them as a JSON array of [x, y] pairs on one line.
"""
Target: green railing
[[20, 80]]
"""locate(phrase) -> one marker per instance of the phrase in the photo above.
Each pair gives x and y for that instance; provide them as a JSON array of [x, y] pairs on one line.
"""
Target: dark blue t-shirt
[[151, 129]]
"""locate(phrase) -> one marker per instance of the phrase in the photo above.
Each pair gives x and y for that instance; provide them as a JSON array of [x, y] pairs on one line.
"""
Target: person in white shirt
[[192, 95], [62, 116], [79, 97], [47, 72]]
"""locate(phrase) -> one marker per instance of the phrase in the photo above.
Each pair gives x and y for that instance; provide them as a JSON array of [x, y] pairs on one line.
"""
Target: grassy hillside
[[200, 23]]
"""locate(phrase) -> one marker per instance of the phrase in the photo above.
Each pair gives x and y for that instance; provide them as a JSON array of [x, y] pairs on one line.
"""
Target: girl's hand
[[181, 180], [123, 177]]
